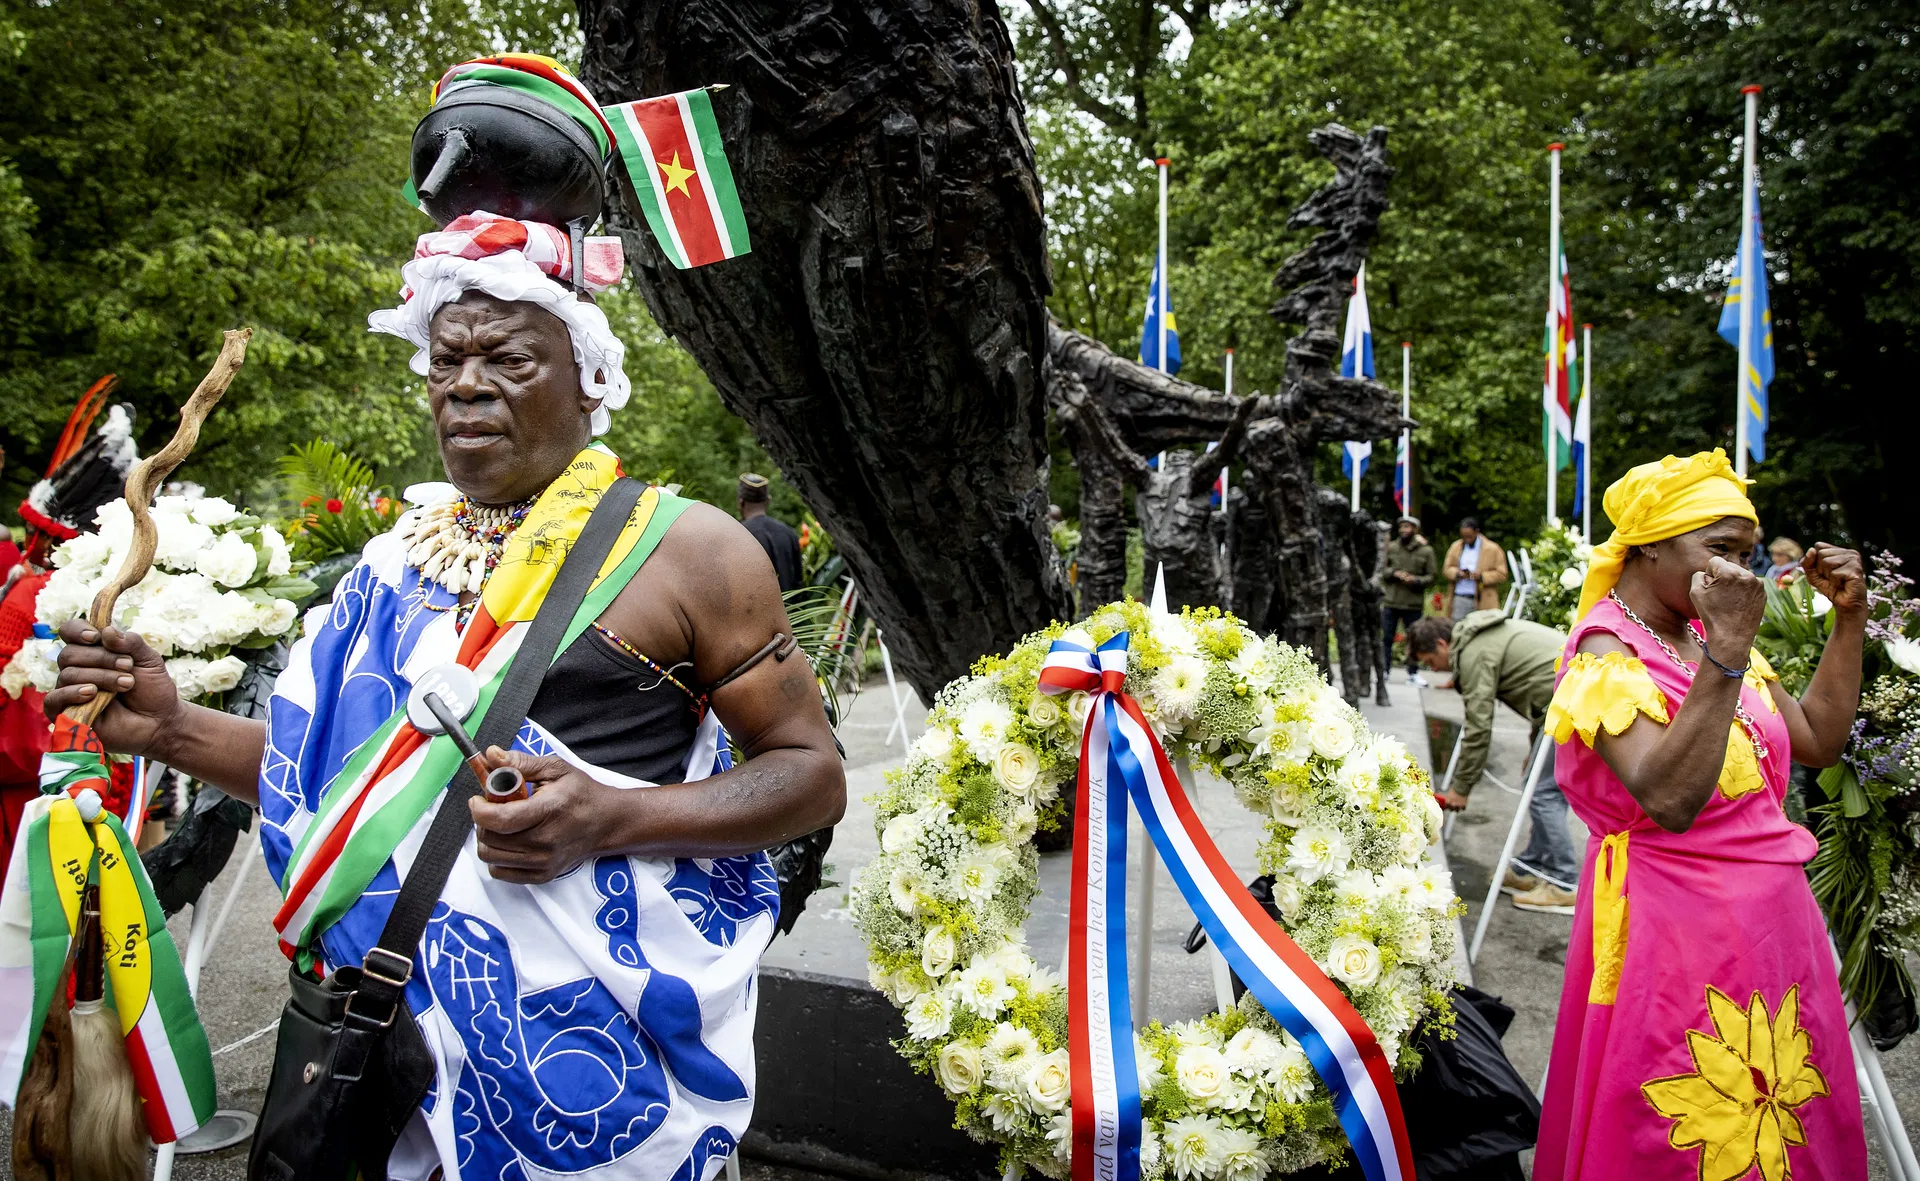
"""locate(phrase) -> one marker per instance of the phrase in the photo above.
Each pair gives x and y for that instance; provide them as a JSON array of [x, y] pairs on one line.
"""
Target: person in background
[[1492, 659], [1475, 566], [1408, 568], [1760, 560], [1786, 554], [775, 536]]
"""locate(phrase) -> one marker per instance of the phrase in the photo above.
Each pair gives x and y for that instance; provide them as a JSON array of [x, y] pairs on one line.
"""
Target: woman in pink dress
[[1702, 1035]]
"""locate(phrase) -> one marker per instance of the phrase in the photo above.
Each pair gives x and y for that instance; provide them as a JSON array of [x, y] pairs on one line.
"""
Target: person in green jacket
[[1407, 568], [1492, 659]]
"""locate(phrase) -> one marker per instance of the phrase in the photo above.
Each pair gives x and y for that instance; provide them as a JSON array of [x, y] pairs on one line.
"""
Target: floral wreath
[[943, 906]]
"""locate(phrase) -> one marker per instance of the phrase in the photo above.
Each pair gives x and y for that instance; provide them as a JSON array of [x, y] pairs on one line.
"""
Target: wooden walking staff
[[78, 1116]]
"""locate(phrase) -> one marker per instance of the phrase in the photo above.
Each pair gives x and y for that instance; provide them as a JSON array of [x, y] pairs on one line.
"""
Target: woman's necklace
[[457, 543], [1739, 711]]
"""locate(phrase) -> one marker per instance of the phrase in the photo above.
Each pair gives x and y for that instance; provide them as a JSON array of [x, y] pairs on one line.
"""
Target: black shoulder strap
[[428, 875]]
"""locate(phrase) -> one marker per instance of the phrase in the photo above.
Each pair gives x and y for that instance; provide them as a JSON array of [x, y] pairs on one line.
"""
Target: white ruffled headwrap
[[519, 262]]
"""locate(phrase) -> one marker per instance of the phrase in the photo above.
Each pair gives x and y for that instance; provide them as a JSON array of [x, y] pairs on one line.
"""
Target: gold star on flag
[[676, 175]]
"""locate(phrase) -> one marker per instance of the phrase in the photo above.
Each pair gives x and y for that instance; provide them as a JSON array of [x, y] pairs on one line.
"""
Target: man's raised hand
[[109, 660]]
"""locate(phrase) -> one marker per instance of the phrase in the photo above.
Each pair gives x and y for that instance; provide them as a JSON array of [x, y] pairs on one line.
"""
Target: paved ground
[[244, 983]]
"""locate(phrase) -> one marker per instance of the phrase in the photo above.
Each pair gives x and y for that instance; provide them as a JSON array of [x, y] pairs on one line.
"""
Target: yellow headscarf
[[1656, 501]]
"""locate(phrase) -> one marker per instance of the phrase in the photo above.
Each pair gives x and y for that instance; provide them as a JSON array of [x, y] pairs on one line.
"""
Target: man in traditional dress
[[586, 984]]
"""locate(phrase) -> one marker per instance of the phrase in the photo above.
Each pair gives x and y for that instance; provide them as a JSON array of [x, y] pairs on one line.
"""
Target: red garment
[[23, 725], [9, 558]]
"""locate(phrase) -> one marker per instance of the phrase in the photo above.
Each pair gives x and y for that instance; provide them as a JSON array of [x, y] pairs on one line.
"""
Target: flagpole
[[1553, 291], [1160, 165], [1225, 504], [1749, 264], [1585, 474], [1406, 433]]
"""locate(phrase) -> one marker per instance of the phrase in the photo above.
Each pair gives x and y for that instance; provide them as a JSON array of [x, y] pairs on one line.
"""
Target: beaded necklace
[[699, 699], [457, 544], [1739, 711]]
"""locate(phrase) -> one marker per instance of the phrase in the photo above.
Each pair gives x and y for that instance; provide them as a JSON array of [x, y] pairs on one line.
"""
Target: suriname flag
[[673, 154]]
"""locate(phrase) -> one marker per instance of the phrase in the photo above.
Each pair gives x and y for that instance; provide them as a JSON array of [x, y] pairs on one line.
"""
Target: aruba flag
[[1356, 360], [1150, 329], [1751, 260]]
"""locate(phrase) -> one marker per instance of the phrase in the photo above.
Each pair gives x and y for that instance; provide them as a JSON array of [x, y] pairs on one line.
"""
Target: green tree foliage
[[1645, 95]]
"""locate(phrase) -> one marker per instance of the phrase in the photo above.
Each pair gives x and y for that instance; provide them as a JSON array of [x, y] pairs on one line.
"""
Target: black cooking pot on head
[[507, 152]]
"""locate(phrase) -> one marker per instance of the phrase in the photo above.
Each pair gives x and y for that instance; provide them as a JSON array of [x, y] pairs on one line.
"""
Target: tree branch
[[1116, 120]]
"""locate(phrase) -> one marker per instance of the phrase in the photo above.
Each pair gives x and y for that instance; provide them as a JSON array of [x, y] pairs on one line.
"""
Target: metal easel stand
[[1535, 765], [227, 1126], [1882, 1112], [893, 693]]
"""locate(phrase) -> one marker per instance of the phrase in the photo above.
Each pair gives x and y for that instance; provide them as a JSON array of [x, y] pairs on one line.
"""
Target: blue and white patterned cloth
[[598, 1025]]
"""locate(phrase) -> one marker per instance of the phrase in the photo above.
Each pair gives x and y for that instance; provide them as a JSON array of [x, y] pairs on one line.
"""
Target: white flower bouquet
[[222, 580], [1348, 818]]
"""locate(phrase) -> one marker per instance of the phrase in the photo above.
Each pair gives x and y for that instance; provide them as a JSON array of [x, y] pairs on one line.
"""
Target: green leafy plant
[[340, 509]]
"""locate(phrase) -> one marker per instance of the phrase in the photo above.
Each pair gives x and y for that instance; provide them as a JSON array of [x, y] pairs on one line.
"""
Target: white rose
[[114, 520], [900, 833], [1572, 577], [937, 951], [1331, 737], [1354, 960], [958, 1068], [222, 674], [930, 1015], [1043, 711], [1050, 1082], [1078, 706], [279, 557], [1017, 766], [229, 561], [1288, 897], [1201, 1072], [936, 745], [1413, 846], [87, 552], [277, 619], [1316, 852], [213, 511], [185, 673]]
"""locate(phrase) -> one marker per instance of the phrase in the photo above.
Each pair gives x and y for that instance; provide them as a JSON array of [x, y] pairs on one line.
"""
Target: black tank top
[[616, 711]]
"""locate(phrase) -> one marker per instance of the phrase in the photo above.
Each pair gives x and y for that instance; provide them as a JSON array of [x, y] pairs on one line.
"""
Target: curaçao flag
[[1356, 360], [1561, 387], [1150, 329], [1751, 260], [672, 150]]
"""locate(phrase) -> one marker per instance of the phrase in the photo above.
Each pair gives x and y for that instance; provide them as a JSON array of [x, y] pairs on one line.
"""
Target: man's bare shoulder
[[709, 550]]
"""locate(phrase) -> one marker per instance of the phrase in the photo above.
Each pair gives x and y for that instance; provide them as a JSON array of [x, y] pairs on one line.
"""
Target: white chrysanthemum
[[958, 1068], [1253, 665], [904, 885], [1400, 882], [983, 727], [278, 619], [1174, 633], [1146, 1066], [1195, 1147], [1331, 736], [937, 950], [87, 553], [1241, 1158], [1017, 768], [1179, 685], [1354, 960], [930, 1015], [1201, 1072], [1043, 711], [1359, 775], [1049, 1082], [1041, 981], [213, 511], [1357, 890], [221, 675], [1151, 1150], [1317, 851], [1434, 818], [1010, 1051], [1415, 938], [181, 541], [1005, 1109], [1060, 1139], [1434, 888], [985, 989], [1252, 1051], [1292, 1076], [977, 875], [279, 557]]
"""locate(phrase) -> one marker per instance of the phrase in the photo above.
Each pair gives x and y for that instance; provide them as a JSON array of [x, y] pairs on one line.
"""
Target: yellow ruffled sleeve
[[1759, 672], [1603, 692]]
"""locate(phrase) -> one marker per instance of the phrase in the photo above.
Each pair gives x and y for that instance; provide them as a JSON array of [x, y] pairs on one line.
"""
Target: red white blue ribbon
[[1118, 747]]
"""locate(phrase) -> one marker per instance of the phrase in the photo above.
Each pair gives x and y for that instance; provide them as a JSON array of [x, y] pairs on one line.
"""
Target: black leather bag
[[350, 1066]]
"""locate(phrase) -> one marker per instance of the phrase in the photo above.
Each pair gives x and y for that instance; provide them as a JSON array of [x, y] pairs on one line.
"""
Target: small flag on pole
[[673, 154], [1400, 474], [1150, 329], [1562, 384], [1356, 360], [1751, 260]]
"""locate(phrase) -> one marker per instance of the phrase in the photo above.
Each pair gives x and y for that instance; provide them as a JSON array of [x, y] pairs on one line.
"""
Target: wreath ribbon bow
[[1118, 750]]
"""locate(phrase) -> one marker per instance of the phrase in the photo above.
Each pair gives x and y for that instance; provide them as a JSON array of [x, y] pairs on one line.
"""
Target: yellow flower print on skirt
[[1749, 1075]]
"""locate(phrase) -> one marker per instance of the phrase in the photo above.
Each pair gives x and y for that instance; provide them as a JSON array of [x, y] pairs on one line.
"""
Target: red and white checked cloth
[[481, 234]]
